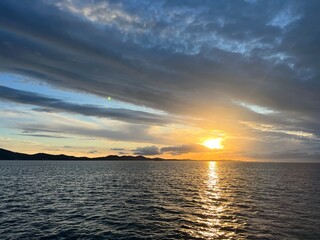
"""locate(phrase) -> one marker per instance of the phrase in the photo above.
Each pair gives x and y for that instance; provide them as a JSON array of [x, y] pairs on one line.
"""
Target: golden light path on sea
[[210, 223]]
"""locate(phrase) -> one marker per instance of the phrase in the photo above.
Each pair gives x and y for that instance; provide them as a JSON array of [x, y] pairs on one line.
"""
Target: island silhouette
[[10, 155]]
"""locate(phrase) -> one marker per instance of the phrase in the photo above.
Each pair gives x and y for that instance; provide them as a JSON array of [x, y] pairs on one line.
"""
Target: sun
[[213, 143]]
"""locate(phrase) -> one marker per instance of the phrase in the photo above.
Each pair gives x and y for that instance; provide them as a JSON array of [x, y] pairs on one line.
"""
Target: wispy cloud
[[53, 104], [42, 135]]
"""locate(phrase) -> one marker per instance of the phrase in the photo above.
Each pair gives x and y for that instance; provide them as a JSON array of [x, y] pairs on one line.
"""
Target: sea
[[159, 200]]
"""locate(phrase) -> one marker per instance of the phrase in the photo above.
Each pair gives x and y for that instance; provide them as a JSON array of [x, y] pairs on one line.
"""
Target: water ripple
[[159, 200]]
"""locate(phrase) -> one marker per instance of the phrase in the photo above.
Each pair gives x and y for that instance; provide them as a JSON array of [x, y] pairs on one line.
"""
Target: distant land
[[9, 155]]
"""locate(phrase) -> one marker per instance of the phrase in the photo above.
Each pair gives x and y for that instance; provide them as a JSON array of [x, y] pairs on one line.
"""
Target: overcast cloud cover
[[246, 69]]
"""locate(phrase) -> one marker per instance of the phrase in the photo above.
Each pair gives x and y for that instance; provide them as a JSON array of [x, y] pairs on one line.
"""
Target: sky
[[160, 77]]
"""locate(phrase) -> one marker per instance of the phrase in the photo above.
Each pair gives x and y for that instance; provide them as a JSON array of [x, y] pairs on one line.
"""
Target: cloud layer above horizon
[[159, 77]]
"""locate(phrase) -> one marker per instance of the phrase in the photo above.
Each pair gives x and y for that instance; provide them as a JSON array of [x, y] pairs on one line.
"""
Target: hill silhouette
[[9, 155]]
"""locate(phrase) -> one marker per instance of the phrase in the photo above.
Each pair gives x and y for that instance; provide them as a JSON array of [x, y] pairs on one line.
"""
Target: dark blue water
[[159, 200]]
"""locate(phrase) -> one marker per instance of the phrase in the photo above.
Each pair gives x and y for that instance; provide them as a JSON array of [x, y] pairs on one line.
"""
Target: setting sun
[[213, 143]]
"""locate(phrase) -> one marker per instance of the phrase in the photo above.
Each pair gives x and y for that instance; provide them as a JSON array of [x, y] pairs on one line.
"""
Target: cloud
[[123, 153], [281, 130], [295, 155], [117, 149], [69, 126], [127, 133], [182, 149], [149, 150], [42, 135], [173, 150], [284, 18], [92, 152], [53, 104]]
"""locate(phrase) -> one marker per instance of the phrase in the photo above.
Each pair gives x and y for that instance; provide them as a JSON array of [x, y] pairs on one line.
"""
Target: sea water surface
[[159, 200]]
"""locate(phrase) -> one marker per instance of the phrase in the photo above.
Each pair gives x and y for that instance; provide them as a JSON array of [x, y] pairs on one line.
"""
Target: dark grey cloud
[[174, 150], [182, 149], [149, 150], [53, 104], [92, 152]]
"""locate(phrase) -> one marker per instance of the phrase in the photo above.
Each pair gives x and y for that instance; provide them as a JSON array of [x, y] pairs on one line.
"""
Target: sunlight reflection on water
[[213, 194], [213, 208]]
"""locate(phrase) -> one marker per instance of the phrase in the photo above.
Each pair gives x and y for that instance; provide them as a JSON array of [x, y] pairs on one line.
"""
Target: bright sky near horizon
[[193, 79]]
